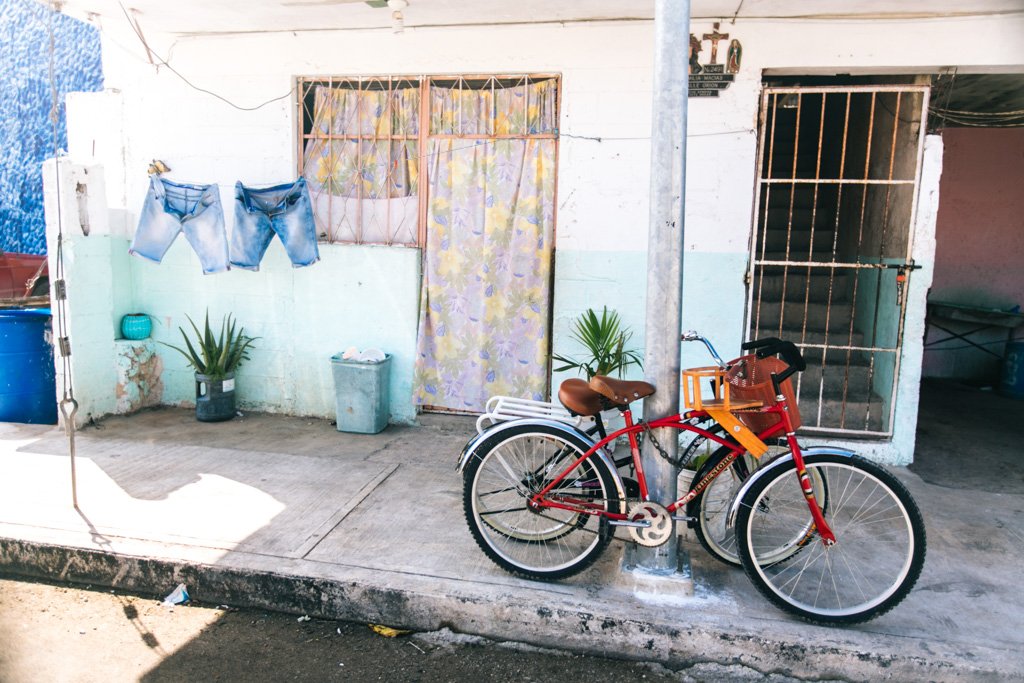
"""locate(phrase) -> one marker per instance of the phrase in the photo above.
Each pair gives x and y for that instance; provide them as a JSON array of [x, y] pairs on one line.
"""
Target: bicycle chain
[[687, 453]]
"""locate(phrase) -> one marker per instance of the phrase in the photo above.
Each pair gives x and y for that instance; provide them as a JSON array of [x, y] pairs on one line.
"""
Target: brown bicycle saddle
[[576, 395], [620, 391]]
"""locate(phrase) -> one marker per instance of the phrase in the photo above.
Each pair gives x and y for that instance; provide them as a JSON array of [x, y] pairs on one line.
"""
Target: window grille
[[838, 174], [364, 143]]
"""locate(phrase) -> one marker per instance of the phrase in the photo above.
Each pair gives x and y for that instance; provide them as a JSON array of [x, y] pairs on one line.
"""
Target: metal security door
[[838, 173]]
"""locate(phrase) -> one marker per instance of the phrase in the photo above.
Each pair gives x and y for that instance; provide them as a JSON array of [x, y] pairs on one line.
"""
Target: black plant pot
[[215, 398]]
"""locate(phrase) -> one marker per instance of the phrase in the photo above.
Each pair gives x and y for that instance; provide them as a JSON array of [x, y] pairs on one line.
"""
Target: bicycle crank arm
[[642, 524]]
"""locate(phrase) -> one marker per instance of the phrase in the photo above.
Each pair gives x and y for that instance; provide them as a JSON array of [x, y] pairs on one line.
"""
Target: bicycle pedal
[[684, 518], [644, 524]]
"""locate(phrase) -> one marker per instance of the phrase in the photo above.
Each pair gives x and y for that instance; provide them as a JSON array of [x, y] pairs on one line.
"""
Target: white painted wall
[[603, 184]]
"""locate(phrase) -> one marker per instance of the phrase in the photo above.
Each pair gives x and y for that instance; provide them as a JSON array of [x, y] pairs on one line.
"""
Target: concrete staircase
[[812, 305], [836, 381]]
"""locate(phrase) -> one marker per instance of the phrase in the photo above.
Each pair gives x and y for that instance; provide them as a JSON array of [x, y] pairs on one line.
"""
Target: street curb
[[518, 616]]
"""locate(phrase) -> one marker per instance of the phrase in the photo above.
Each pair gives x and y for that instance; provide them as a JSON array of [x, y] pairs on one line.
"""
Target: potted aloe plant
[[604, 338], [215, 357]]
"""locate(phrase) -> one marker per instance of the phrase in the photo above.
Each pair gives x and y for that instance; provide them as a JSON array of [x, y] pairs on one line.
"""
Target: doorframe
[[908, 261]]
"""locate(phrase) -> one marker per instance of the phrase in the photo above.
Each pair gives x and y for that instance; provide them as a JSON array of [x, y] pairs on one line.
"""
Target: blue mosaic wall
[[26, 133]]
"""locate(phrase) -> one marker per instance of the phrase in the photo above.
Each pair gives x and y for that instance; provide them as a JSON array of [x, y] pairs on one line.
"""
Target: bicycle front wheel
[[875, 561], [547, 542]]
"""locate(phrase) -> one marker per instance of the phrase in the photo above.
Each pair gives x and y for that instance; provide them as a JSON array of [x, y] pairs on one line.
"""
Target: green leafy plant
[[216, 356], [604, 338]]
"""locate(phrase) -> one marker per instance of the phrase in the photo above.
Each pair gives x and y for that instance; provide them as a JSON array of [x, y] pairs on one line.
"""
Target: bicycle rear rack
[[503, 408]]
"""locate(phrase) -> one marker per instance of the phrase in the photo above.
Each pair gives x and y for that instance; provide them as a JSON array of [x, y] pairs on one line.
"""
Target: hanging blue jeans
[[171, 208], [284, 210]]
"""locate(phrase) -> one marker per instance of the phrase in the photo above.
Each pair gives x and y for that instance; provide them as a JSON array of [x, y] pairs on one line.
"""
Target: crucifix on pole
[[715, 37]]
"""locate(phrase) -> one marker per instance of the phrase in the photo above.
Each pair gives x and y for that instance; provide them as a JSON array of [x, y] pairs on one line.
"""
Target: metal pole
[[665, 256]]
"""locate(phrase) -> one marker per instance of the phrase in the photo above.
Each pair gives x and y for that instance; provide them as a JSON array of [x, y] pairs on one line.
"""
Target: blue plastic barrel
[[1012, 383], [28, 391]]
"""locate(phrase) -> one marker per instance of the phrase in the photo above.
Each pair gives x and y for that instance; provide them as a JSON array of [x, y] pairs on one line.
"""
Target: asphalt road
[[59, 633]]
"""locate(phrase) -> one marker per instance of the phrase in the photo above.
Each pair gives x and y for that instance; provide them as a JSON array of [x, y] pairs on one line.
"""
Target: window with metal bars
[[364, 143]]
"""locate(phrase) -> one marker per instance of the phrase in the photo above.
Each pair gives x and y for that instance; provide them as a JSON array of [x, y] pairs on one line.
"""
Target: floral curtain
[[352, 179], [486, 283]]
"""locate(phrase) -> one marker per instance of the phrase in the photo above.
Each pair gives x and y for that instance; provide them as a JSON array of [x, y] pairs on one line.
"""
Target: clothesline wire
[[426, 156], [153, 54]]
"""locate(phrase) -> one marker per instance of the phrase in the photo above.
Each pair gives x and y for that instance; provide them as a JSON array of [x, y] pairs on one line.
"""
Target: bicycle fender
[[783, 460], [563, 427], [496, 429], [474, 443]]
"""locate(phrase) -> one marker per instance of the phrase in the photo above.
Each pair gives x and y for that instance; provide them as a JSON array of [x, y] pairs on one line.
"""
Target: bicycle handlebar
[[693, 335], [769, 346]]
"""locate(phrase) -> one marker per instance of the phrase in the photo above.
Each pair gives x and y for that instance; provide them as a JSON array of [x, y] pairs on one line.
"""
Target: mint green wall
[[355, 296], [90, 287], [713, 298]]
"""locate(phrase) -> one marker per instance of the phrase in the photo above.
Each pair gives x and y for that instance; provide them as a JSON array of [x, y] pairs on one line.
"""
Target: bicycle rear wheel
[[879, 549], [710, 509], [550, 542]]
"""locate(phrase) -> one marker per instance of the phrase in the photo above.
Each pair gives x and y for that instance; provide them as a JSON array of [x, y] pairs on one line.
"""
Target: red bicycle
[[822, 533]]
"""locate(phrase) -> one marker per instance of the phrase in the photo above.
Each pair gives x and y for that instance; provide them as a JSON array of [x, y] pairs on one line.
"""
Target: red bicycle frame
[[680, 421]]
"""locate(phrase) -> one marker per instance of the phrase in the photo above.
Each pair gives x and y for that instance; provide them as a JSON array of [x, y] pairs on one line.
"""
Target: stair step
[[798, 239], [798, 336], [822, 253], [780, 215], [858, 414], [856, 377], [800, 215], [818, 286], [796, 315]]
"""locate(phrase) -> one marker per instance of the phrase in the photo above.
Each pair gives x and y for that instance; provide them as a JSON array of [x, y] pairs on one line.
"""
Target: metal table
[[979, 317]]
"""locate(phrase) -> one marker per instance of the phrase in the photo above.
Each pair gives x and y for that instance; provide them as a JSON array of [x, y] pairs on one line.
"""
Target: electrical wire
[[737, 12], [1015, 113], [163, 62], [995, 119]]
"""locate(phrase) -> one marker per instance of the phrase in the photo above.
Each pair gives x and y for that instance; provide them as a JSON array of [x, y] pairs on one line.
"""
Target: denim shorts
[[284, 210], [171, 208]]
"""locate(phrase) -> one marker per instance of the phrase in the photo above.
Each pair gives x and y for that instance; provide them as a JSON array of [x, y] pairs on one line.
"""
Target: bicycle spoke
[[870, 566], [553, 535]]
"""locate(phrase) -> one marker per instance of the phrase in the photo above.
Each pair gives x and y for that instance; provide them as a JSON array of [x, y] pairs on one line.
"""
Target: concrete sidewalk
[[288, 514]]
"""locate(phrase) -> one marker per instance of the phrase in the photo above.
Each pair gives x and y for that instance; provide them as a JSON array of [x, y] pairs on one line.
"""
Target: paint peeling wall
[[369, 295], [139, 376]]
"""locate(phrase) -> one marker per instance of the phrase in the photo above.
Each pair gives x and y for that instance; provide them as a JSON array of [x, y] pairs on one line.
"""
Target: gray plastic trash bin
[[361, 394]]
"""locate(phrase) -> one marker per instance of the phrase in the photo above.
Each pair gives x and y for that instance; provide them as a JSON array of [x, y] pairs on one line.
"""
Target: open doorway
[[978, 287]]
